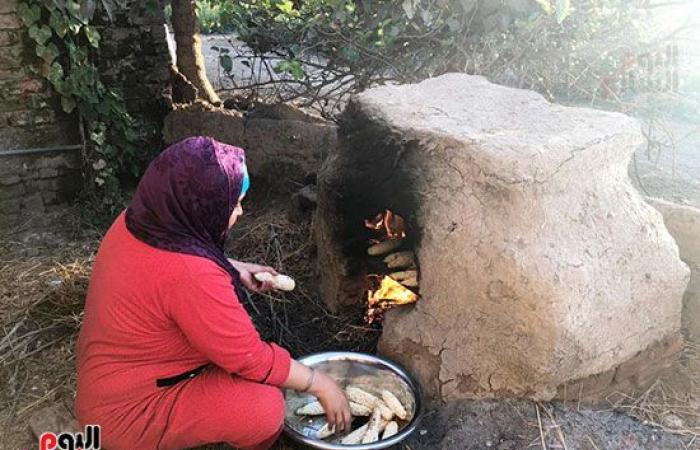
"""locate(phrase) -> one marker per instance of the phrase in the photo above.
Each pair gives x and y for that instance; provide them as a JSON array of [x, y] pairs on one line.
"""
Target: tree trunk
[[190, 61]]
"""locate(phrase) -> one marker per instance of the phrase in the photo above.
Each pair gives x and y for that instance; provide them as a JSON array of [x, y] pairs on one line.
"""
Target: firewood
[[403, 275], [384, 247], [410, 282], [400, 260]]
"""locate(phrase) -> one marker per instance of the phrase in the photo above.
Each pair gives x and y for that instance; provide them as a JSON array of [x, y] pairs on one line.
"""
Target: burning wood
[[403, 275], [410, 282], [389, 291], [390, 224], [389, 294], [383, 247], [393, 292], [400, 260]]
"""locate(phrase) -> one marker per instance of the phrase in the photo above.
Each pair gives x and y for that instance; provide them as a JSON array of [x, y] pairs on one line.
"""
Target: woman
[[167, 356]]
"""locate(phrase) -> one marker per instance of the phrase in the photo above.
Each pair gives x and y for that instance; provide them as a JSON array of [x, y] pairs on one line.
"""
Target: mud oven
[[538, 264]]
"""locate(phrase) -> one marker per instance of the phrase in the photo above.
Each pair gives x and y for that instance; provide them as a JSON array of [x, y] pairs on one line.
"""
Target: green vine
[[66, 43]]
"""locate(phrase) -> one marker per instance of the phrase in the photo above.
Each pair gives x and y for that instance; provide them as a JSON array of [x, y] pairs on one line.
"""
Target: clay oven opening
[[393, 277], [373, 236]]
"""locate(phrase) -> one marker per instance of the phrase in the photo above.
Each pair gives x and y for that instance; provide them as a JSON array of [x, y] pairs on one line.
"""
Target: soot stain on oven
[[370, 201]]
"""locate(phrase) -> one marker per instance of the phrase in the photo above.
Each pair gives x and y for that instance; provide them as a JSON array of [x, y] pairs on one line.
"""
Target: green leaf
[[73, 9], [226, 63], [563, 10], [75, 26], [68, 104], [292, 67], [287, 7], [29, 15], [92, 35], [59, 23], [55, 74], [40, 34], [50, 52]]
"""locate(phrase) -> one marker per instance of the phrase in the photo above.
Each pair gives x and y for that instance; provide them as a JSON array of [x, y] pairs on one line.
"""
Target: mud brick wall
[[40, 144], [134, 58]]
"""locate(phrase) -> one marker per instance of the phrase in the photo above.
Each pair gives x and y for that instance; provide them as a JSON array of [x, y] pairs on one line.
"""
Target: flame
[[391, 292], [392, 225]]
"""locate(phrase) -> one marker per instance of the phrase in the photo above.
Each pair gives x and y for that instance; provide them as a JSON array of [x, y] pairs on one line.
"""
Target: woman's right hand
[[333, 400]]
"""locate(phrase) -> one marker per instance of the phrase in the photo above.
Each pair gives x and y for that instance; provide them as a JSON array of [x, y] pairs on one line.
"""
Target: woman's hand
[[333, 400], [247, 272], [329, 394]]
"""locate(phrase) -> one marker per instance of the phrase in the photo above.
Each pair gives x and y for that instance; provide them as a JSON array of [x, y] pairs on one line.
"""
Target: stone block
[[8, 6], [9, 206], [531, 275], [683, 222], [33, 203], [49, 198], [225, 126], [11, 57], [8, 38], [52, 134], [48, 173], [11, 74], [11, 191], [17, 118], [277, 150], [7, 179], [9, 22], [286, 150]]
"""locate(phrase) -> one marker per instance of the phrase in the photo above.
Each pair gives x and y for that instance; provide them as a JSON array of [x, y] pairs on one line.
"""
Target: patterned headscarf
[[185, 198]]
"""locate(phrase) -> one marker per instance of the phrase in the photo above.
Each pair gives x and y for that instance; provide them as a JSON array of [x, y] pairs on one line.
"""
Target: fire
[[392, 225], [384, 291], [391, 292]]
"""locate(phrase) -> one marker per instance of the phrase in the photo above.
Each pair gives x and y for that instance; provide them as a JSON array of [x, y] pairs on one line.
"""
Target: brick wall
[[134, 58], [39, 143]]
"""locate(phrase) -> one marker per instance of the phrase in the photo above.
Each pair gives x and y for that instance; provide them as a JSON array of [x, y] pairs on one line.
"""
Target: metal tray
[[369, 372]]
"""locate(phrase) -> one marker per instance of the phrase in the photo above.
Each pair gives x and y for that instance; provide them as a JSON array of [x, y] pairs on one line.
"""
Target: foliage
[[213, 16], [566, 50], [65, 42]]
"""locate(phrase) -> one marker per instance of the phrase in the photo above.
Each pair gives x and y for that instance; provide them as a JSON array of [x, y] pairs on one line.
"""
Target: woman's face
[[237, 211]]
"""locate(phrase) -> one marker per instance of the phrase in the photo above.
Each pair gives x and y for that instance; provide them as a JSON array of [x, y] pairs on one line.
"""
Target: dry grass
[[43, 279], [298, 320], [672, 402]]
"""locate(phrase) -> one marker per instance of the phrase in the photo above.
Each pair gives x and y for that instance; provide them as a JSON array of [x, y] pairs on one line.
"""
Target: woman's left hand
[[247, 270]]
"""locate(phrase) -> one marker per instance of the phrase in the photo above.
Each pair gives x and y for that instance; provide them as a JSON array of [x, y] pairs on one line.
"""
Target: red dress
[[152, 315]]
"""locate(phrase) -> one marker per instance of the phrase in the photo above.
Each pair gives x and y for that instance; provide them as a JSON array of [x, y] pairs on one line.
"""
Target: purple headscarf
[[185, 198]]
